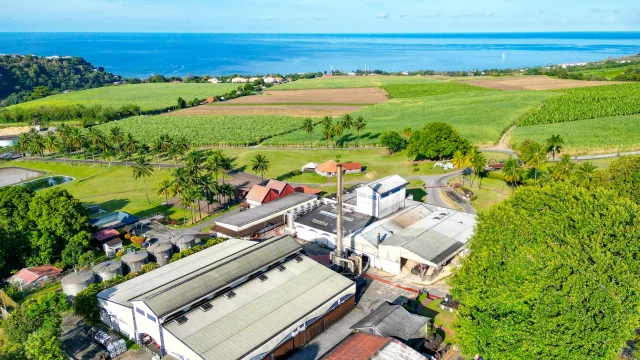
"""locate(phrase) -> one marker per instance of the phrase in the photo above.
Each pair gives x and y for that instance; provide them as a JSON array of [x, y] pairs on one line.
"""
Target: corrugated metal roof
[[387, 184], [363, 346], [200, 283], [259, 311], [263, 211], [121, 293], [394, 321]]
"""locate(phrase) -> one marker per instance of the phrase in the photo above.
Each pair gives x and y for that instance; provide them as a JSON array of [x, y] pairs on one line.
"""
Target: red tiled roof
[[332, 167], [276, 185], [258, 193], [29, 275], [307, 190], [106, 234], [359, 346]]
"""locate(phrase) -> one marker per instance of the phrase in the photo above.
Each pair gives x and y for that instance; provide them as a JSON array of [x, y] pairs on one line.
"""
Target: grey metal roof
[[259, 311], [121, 293], [324, 219], [387, 184], [201, 283], [263, 211], [394, 321]]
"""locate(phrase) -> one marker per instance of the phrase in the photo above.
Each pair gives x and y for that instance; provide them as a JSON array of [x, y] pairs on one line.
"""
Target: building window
[[151, 317], [140, 312]]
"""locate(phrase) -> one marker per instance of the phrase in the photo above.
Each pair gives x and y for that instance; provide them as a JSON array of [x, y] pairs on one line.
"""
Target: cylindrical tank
[[77, 281], [291, 219], [185, 242], [162, 252], [107, 270], [135, 260]]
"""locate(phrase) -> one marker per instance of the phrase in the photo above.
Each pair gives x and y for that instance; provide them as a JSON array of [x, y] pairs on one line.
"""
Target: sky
[[318, 16]]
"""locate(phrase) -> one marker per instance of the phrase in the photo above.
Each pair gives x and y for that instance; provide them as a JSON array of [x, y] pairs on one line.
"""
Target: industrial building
[[388, 231], [263, 218], [236, 300]]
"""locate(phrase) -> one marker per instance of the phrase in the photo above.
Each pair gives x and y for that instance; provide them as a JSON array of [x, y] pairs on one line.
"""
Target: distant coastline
[[173, 54]]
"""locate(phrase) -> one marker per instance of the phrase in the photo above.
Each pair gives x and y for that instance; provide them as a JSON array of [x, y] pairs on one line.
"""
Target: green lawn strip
[[147, 96], [481, 117], [399, 91], [346, 82], [493, 191], [224, 104], [601, 135]]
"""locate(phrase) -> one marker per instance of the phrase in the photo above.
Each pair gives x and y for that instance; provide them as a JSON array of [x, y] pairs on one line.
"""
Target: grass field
[[345, 82], [230, 130], [147, 96], [609, 73], [602, 135], [403, 91], [529, 82], [480, 117]]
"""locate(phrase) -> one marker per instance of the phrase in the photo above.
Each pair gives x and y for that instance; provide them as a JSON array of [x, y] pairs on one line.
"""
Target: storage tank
[[107, 270], [77, 281], [185, 242], [133, 261], [162, 252], [290, 218]]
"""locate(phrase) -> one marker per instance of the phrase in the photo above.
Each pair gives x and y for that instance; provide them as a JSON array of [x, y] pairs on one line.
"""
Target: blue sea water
[[143, 54]]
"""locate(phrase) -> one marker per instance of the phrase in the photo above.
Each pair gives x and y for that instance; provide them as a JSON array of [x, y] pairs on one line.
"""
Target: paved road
[[436, 186]]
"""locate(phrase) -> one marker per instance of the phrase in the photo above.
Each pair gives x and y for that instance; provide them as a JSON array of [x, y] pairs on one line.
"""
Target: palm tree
[[359, 126], [479, 163], [214, 163], [228, 191], [327, 133], [130, 144], [347, 122], [37, 144], [194, 164], [554, 145], [326, 121], [126, 157], [534, 156], [260, 165], [189, 198], [22, 145], [458, 160], [108, 154], [165, 190], [51, 143], [407, 132], [142, 169], [209, 188], [586, 174], [162, 145], [336, 132], [512, 172], [564, 169], [97, 139], [116, 137], [307, 125], [75, 139]]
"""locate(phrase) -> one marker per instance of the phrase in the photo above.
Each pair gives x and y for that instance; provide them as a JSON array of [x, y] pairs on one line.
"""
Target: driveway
[[370, 297], [436, 186]]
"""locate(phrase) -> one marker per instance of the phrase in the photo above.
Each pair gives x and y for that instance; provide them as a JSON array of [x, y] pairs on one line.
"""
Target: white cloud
[[383, 15]]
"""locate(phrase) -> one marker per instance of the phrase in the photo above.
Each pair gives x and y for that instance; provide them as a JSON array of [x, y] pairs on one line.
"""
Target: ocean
[[144, 54]]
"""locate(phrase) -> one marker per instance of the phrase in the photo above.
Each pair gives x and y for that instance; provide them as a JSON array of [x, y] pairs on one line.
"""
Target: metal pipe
[[339, 212]]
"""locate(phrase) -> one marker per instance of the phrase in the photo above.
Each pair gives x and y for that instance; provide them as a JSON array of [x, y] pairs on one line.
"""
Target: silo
[[162, 252], [290, 222], [77, 281], [185, 242], [107, 270], [134, 260]]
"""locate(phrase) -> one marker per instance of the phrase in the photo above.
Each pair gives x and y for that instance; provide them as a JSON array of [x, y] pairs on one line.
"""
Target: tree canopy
[[623, 176], [437, 141], [393, 141], [551, 274]]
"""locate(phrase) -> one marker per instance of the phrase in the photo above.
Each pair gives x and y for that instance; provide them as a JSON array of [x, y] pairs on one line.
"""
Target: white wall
[[392, 203], [367, 201], [120, 314], [177, 348]]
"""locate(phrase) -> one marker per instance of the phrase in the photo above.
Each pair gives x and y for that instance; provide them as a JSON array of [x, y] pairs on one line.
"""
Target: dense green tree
[[75, 248], [586, 174], [44, 344], [393, 141], [43, 311], [181, 103], [623, 176], [552, 273], [564, 169], [436, 141]]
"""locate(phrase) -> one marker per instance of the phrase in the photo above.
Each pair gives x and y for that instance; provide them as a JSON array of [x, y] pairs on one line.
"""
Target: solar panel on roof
[[281, 268], [297, 259], [181, 320], [262, 278], [323, 223], [206, 307], [230, 294]]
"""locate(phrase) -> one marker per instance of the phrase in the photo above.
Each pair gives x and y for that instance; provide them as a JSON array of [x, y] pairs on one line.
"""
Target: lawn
[[481, 117], [602, 135], [608, 73], [110, 188], [147, 96], [493, 191], [403, 91], [345, 82], [208, 130]]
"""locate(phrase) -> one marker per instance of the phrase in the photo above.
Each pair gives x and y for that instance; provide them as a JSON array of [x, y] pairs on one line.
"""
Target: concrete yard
[[370, 297]]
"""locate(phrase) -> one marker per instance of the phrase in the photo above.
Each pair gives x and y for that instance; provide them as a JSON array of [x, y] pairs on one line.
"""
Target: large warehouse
[[236, 300]]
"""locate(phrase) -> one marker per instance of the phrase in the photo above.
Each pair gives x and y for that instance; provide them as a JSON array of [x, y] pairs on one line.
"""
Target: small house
[[281, 187], [259, 195], [269, 80], [35, 276], [237, 80], [330, 168], [214, 80], [310, 167], [112, 247]]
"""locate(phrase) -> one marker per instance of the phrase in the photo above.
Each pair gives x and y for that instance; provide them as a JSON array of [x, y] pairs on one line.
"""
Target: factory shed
[[320, 224], [394, 321], [363, 346]]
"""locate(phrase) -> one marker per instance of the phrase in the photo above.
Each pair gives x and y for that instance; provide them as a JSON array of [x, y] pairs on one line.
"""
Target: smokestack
[[378, 238], [339, 212]]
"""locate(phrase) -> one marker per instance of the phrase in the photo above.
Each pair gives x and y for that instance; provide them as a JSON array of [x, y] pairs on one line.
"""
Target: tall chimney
[[339, 212]]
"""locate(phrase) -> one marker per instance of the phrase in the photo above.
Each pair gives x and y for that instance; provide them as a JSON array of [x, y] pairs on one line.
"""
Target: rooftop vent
[[230, 294], [181, 320], [323, 223], [262, 278], [206, 307], [297, 259], [281, 268]]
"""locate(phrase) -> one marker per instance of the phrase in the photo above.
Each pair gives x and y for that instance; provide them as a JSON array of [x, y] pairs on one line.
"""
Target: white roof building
[[214, 80], [269, 80], [239, 80]]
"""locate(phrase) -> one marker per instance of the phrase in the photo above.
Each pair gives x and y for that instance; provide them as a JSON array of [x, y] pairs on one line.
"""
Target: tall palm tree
[[194, 163], [260, 165], [327, 133], [407, 132], [554, 145], [162, 145], [130, 144], [359, 126], [307, 125], [116, 137], [228, 191], [23, 143], [165, 190], [458, 160], [226, 165], [188, 200], [142, 169], [126, 157], [209, 188], [479, 164], [534, 156], [347, 122], [51, 143], [336, 132], [512, 172], [97, 140], [214, 163], [564, 169], [326, 121], [37, 144], [586, 174]]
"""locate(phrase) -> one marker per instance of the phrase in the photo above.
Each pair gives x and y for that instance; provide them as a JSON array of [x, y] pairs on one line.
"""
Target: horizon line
[[326, 33]]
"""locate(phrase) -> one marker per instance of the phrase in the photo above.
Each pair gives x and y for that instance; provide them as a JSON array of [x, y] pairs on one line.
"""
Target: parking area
[[159, 232], [369, 297]]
